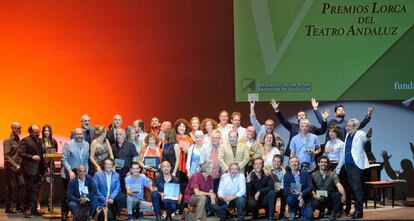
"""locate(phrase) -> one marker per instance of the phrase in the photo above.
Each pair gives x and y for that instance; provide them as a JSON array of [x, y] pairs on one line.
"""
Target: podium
[[52, 157]]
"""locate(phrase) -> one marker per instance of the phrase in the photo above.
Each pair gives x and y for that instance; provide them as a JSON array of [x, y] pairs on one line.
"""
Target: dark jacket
[[305, 181], [73, 189], [28, 148], [263, 185], [11, 153]]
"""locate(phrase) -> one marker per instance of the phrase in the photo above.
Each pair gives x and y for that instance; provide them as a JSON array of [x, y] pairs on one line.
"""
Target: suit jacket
[[101, 187], [357, 151], [11, 153], [71, 157], [110, 135], [226, 156], [28, 148], [305, 181], [73, 194]]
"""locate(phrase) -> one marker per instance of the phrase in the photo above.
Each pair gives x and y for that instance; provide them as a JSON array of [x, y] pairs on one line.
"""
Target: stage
[[381, 213]]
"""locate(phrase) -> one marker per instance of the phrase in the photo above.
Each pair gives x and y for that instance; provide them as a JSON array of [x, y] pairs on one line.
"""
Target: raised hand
[[325, 114], [252, 103], [274, 104], [370, 110], [315, 104], [385, 155]]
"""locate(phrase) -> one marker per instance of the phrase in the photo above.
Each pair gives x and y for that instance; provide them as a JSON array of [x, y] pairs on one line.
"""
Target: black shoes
[[357, 215], [8, 210]]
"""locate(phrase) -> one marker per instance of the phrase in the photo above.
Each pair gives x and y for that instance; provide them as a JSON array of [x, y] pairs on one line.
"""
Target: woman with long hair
[[100, 148]]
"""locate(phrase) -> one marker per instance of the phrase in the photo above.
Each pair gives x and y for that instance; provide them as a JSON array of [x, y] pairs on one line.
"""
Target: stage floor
[[381, 213]]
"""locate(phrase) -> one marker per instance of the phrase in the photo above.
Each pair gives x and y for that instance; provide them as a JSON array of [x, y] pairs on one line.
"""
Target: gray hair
[[206, 167], [354, 122], [304, 122]]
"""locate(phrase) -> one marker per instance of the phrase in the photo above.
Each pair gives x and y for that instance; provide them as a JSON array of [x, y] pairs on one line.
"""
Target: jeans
[[143, 205], [158, 204], [221, 207], [293, 203]]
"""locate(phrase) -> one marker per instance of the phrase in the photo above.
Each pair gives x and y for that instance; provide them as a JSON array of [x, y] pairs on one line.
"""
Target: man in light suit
[[355, 160], [81, 194], [233, 152], [108, 188], [75, 153]]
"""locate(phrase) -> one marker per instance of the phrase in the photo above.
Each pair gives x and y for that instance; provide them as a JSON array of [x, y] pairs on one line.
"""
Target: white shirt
[[108, 183], [232, 186], [337, 145], [241, 131], [268, 162]]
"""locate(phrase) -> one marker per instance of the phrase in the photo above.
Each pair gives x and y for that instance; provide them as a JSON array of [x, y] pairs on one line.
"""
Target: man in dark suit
[[81, 194], [298, 188], [116, 124], [88, 130], [33, 164]]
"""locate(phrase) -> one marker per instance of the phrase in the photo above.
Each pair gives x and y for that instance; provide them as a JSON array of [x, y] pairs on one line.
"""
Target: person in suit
[[88, 131], [298, 199], [233, 151], [116, 124], [81, 193], [109, 196], [355, 160], [14, 177], [75, 153], [33, 164]]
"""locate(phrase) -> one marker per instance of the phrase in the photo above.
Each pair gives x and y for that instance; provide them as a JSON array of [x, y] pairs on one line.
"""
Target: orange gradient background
[[61, 59]]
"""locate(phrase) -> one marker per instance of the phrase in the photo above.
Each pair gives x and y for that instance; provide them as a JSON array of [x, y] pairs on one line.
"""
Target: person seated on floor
[[81, 194], [326, 193], [278, 173], [158, 198], [231, 193], [298, 190], [199, 192], [260, 189], [134, 185], [108, 188]]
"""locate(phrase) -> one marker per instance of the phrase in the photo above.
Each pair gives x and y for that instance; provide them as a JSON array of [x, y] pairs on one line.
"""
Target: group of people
[[215, 165]]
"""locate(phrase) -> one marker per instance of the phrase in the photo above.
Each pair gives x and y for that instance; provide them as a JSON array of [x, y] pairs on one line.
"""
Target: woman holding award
[[150, 155]]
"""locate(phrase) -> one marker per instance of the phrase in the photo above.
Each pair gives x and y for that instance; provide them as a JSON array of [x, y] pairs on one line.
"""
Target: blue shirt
[[297, 146], [348, 148], [139, 184]]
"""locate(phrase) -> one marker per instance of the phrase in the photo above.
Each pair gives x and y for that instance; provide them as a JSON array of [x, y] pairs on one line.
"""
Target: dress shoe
[[8, 210], [357, 215], [27, 214], [36, 213]]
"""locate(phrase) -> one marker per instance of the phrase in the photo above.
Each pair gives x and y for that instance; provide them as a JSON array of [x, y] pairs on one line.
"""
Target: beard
[[340, 115]]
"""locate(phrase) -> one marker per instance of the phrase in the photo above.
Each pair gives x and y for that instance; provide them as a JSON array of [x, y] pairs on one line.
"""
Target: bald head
[[120, 135], [34, 131], [78, 134], [16, 128], [117, 121]]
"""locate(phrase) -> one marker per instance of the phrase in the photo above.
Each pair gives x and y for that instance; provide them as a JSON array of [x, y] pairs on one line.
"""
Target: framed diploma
[[119, 163], [171, 191], [295, 187], [152, 162]]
